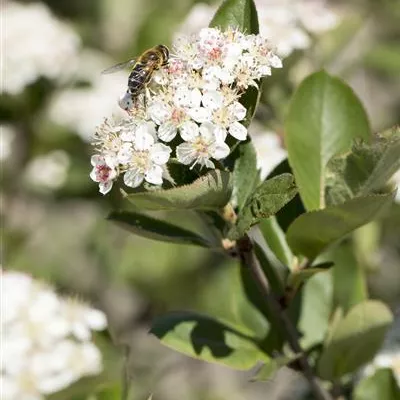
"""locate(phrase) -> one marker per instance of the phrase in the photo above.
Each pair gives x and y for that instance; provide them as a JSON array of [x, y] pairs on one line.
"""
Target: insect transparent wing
[[120, 66]]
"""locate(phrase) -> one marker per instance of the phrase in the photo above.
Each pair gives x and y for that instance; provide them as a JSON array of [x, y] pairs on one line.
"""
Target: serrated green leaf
[[241, 14], [156, 229], [381, 385], [365, 169], [324, 117], [313, 232], [265, 201], [356, 339], [211, 191], [245, 173], [207, 339]]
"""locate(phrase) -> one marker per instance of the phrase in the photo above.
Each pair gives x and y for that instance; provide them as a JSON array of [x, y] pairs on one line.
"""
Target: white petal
[[275, 61], [189, 131], [200, 114], [238, 131], [105, 187], [207, 131], [221, 150], [238, 110], [159, 112], [146, 127], [220, 134], [160, 153], [167, 131], [96, 320], [182, 97], [154, 175], [185, 153], [213, 99], [143, 141], [133, 178], [97, 159], [195, 98], [93, 175]]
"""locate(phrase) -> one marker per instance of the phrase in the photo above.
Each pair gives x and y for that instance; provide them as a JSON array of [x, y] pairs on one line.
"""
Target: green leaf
[[207, 339], [356, 339], [349, 281], [241, 14], [234, 306], [365, 169], [266, 200], [211, 191], [268, 370], [316, 308], [381, 385], [324, 117], [298, 277], [276, 240], [152, 228], [313, 232], [245, 173]]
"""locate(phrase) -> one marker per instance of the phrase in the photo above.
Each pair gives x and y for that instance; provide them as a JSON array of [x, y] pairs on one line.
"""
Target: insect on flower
[[143, 68]]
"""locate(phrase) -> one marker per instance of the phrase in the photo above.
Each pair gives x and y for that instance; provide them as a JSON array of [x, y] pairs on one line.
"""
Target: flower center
[[178, 115], [201, 147], [103, 172], [141, 161], [221, 117]]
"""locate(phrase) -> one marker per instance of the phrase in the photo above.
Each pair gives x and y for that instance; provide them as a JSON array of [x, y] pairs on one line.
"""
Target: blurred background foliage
[[53, 223]]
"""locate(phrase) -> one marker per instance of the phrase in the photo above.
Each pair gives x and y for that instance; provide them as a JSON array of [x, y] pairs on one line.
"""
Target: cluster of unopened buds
[[192, 109]]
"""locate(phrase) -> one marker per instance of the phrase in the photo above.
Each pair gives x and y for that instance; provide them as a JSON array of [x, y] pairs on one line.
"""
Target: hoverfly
[[141, 73]]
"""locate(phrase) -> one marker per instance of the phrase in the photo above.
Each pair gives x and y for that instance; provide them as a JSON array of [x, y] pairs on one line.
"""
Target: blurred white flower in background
[[268, 146], [35, 44], [286, 23], [82, 109], [385, 359], [396, 181], [7, 136], [46, 339], [48, 171]]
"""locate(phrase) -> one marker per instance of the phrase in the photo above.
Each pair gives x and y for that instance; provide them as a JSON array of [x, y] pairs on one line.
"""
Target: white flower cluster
[[287, 23], [194, 104], [46, 340], [34, 44]]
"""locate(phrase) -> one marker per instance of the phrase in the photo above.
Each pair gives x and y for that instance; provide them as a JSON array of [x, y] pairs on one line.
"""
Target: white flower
[[146, 161], [201, 144], [81, 109], [387, 358], [49, 171], [268, 149], [195, 99], [80, 320], [104, 171], [286, 23], [396, 181], [7, 137], [46, 339], [37, 45]]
